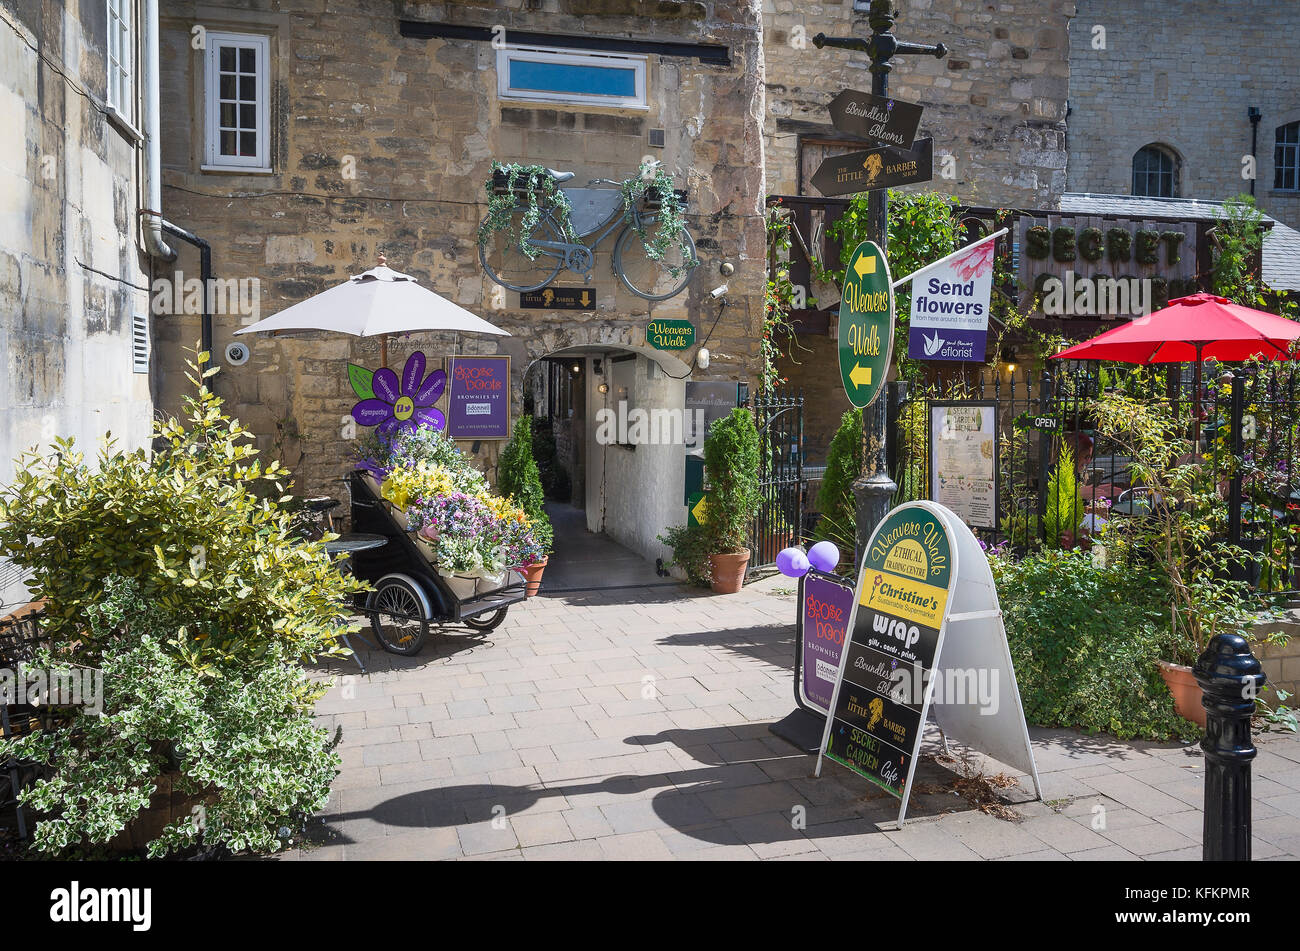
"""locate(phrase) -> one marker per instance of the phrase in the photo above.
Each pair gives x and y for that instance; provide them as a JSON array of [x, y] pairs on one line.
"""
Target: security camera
[[718, 291], [237, 354]]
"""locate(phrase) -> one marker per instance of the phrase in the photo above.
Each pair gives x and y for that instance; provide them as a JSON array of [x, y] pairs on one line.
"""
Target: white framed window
[[1286, 158], [237, 102], [119, 53], [579, 77]]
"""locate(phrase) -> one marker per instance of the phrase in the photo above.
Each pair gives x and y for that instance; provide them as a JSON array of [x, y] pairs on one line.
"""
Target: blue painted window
[[571, 76]]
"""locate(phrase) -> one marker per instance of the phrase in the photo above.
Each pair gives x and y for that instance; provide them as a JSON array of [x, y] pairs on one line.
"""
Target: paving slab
[[633, 724]]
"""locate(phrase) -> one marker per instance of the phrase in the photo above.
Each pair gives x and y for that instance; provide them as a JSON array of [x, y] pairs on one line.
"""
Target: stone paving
[[633, 724]]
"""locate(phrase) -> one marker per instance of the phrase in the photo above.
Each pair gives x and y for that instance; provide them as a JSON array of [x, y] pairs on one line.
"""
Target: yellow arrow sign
[[586, 299], [860, 375], [699, 510], [865, 265]]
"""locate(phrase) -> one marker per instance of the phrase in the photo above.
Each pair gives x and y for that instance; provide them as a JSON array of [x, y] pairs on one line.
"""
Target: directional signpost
[[889, 121], [874, 169], [866, 324]]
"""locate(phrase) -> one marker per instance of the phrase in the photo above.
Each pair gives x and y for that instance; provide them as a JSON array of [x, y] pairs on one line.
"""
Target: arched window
[[1155, 172], [1286, 157]]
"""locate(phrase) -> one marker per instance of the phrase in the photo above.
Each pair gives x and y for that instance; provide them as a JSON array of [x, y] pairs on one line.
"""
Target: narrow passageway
[[585, 560]]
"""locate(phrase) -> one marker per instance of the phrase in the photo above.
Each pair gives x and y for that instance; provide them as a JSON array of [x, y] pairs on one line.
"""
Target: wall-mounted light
[[604, 387], [1008, 357], [702, 358], [576, 368]]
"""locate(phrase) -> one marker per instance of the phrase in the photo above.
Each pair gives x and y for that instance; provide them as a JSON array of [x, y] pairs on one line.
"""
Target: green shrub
[[844, 461], [246, 746], [518, 479], [731, 462], [187, 525], [1085, 640], [691, 545], [198, 601]]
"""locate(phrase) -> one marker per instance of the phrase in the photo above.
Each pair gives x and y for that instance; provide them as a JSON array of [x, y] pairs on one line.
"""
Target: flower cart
[[411, 591]]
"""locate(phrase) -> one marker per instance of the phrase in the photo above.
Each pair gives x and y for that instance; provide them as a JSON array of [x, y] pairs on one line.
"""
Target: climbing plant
[[778, 300], [503, 190], [651, 179]]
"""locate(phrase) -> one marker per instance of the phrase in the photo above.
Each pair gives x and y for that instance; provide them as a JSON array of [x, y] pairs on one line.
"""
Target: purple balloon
[[792, 562], [824, 556]]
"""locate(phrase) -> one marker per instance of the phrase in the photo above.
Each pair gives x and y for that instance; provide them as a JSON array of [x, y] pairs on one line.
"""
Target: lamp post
[[874, 489]]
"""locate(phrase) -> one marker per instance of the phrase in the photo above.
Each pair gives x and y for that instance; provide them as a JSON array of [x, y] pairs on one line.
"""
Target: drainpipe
[[155, 225], [205, 276], [153, 220], [1254, 115]]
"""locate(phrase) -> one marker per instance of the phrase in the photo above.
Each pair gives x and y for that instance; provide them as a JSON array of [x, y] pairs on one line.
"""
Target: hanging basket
[[500, 183], [653, 198]]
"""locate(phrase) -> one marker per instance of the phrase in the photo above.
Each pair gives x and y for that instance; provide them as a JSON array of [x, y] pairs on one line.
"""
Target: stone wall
[[423, 122], [996, 104], [70, 271], [1183, 75]]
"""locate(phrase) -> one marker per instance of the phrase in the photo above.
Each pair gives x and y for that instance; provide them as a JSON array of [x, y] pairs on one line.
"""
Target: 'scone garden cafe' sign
[[866, 324]]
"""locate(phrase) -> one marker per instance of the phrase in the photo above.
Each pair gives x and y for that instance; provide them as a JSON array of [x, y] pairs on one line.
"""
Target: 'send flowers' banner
[[950, 305]]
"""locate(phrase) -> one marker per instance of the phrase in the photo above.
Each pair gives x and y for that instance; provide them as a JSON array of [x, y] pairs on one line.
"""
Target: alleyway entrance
[[584, 560]]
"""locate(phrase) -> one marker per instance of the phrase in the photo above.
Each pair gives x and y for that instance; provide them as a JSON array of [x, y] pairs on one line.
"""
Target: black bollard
[[1230, 678]]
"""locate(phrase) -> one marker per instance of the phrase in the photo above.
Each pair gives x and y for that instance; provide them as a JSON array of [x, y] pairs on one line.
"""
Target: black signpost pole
[[875, 488]]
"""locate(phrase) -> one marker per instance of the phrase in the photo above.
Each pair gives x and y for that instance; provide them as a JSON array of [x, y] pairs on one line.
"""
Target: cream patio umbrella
[[377, 303]]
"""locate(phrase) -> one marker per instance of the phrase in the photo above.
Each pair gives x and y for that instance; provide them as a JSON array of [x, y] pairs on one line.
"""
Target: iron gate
[[1250, 426], [779, 418]]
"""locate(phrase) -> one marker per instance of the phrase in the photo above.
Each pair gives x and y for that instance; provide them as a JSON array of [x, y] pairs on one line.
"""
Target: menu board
[[825, 606], [964, 460], [879, 704]]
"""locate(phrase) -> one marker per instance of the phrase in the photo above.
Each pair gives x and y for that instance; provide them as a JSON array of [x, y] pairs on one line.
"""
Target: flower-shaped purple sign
[[391, 405]]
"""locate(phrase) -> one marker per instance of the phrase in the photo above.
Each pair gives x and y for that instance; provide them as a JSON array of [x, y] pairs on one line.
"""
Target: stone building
[[995, 107], [73, 283], [1179, 99], [371, 127]]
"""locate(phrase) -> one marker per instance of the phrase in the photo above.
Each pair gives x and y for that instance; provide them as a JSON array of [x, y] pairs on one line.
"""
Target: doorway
[[611, 489]]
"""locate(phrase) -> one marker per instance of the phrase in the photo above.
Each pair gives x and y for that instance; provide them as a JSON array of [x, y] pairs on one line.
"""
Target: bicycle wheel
[[398, 616], [646, 277], [487, 622], [505, 261]]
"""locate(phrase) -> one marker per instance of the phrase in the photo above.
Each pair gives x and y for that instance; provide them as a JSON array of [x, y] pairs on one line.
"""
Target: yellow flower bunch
[[503, 508], [424, 481]]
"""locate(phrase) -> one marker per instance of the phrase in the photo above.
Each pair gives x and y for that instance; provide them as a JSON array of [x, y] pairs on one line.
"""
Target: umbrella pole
[[383, 350], [1196, 404]]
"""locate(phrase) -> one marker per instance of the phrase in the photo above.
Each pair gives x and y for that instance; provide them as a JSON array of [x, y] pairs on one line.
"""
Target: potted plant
[[518, 479], [1179, 535], [731, 462]]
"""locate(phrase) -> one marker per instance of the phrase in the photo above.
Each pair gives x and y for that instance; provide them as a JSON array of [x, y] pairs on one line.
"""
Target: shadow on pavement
[[744, 791]]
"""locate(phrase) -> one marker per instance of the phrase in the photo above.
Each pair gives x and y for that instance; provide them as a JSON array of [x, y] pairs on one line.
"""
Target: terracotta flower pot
[[1186, 691], [728, 571], [533, 577]]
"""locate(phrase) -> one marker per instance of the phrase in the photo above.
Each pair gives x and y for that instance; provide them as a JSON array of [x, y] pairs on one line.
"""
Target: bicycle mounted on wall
[[534, 228]]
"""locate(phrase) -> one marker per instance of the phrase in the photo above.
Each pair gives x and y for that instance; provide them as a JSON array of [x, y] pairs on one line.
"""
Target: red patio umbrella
[[1190, 330]]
